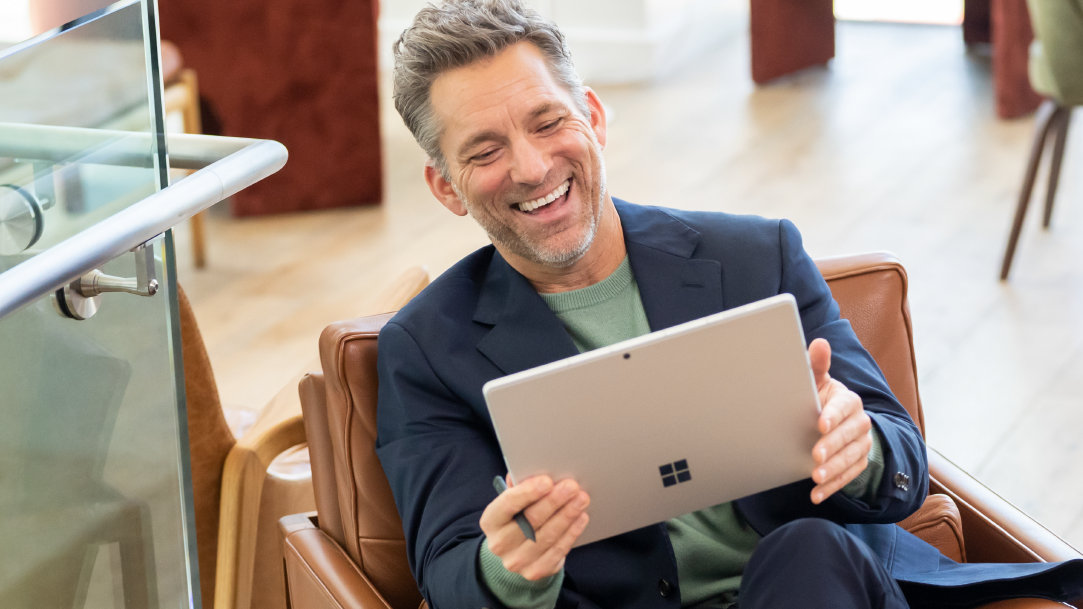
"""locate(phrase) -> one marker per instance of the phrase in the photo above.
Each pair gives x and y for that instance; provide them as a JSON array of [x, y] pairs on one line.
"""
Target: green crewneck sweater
[[712, 545]]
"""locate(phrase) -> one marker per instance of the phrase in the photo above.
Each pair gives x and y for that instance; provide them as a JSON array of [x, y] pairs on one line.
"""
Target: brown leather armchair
[[242, 485], [351, 553]]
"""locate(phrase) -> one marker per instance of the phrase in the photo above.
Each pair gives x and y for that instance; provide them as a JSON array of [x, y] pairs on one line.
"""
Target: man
[[515, 140]]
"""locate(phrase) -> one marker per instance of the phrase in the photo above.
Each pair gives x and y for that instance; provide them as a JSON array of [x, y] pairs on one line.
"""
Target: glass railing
[[95, 500], [93, 75], [91, 466]]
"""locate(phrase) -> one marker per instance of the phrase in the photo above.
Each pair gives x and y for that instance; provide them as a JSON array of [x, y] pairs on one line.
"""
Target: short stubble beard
[[506, 237]]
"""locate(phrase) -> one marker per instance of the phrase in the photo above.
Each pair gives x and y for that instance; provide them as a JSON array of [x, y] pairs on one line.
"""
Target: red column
[[789, 35], [1012, 35]]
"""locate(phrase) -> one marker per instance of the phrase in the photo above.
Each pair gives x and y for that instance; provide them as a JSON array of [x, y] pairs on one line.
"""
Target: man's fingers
[[554, 539], [822, 491], [553, 529], [506, 539], [551, 510], [855, 452], [819, 355], [503, 508], [544, 508], [842, 422], [842, 452], [552, 560]]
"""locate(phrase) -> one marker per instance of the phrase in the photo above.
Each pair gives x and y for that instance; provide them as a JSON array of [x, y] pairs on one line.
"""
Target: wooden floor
[[894, 146]]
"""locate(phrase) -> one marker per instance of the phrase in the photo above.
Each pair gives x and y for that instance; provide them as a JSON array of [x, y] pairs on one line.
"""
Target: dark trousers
[[816, 564]]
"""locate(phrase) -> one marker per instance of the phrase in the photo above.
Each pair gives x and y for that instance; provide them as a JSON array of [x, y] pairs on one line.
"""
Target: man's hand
[[842, 452], [558, 515]]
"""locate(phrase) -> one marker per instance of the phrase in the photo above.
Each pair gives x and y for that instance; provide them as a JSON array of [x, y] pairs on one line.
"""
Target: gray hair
[[456, 33]]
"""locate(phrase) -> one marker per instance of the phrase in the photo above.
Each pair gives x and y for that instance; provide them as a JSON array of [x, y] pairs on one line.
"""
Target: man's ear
[[597, 115], [443, 190]]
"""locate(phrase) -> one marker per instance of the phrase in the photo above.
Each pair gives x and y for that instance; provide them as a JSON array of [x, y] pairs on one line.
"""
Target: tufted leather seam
[[350, 411]]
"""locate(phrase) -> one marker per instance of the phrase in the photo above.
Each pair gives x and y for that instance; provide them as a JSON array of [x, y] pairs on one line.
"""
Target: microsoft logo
[[674, 473]]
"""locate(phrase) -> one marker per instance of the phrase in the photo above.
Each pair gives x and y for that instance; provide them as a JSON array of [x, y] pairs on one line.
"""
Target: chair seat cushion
[[938, 523]]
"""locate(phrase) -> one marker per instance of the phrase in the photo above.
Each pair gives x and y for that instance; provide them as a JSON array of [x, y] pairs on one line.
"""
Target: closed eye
[[484, 157], [551, 125]]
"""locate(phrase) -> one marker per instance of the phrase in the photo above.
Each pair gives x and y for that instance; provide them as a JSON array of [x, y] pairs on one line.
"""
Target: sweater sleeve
[[514, 590]]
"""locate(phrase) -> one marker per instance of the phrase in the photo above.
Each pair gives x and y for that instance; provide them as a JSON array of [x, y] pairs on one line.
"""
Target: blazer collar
[[674, 288], [525, 333], [674, 285]]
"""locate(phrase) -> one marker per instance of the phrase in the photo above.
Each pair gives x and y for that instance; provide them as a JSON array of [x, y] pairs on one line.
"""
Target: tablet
[[670, 422]]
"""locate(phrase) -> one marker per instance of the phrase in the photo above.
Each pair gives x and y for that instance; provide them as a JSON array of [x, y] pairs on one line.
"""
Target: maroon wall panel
[[302, 72]]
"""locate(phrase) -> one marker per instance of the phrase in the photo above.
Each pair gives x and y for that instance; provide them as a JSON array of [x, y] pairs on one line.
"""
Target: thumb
[[819, 355]]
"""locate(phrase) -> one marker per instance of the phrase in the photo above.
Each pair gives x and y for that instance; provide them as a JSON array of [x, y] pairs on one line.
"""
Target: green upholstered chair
[[1056, 72]]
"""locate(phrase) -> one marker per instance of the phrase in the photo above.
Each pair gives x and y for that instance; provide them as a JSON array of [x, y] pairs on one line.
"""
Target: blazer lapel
[[674, 287], [524, 332]]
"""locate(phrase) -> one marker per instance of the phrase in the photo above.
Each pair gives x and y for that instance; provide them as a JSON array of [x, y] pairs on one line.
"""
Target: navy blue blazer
[[481, 320]]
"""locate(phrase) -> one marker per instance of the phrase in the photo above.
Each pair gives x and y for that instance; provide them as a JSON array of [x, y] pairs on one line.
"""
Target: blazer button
[[665, 588], [902, 481]]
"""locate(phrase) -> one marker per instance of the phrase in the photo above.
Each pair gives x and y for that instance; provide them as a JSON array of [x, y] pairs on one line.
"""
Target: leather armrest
[[938, 523], [319, 573], [995, 530]]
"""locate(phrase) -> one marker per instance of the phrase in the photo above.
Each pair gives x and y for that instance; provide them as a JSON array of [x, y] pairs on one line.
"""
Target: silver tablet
[[668, 423]]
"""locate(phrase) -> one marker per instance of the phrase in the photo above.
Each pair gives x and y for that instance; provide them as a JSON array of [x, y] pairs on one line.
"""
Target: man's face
[[522, 159]]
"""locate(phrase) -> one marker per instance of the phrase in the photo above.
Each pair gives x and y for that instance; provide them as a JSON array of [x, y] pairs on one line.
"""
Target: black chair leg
[[1047, 114], [1060, 132]]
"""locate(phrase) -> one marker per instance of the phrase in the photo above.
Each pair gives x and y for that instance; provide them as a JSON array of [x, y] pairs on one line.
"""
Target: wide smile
[[543, 201]]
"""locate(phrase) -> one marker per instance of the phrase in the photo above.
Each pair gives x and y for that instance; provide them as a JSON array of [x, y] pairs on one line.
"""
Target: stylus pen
[[520, 518]]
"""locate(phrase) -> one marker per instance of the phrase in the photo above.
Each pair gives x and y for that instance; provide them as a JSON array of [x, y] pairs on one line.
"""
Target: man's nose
[[530, 163]]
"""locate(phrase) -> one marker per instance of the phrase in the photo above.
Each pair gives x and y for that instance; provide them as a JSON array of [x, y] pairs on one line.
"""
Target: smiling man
[[525, 160], [515, 140]]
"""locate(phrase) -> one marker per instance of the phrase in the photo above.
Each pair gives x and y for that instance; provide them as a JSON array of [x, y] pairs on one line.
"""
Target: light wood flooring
[[895, 146]]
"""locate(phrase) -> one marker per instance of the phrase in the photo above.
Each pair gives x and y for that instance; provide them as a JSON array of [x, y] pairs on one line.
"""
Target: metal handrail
[[225, 166], [111, 147]]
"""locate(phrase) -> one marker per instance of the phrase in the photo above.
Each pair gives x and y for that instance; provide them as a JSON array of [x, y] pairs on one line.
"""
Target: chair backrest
[[353, 500], [1056, 55]]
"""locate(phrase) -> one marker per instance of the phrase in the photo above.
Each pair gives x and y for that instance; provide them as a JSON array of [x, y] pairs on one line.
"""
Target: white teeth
[[547, 199]]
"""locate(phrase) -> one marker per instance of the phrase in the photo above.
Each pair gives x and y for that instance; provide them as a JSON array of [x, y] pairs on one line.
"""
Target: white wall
[[612, 41]]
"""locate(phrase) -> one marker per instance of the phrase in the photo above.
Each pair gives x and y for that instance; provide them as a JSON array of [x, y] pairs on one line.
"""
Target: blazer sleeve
[[440, 461], [905, 480]]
